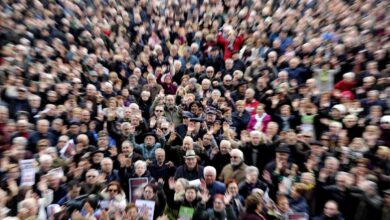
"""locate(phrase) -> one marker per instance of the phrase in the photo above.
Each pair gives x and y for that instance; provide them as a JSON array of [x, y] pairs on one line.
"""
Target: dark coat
[[182, 172]]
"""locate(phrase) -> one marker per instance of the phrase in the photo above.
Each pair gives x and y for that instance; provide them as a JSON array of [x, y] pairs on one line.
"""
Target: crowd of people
[[194, 109]]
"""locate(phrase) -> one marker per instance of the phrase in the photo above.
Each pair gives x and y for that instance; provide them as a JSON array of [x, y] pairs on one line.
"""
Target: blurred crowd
[[232, 109]]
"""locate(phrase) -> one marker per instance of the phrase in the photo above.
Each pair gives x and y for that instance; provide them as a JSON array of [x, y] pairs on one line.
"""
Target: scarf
[[259, 121], [236, 167]]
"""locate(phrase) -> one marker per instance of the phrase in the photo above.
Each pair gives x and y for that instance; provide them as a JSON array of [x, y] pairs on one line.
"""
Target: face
[[102, 142], [330, 210], [107, 166], [150, 140], [140, 170], [190, 195], [132, 213], [74, 192], [91, 177], [224, 149], [126, 148], [97, 158], [283, 205], [148, 193], [255, 139], [159, 112], [209, 178], [252, 177], [113, 190], [218, 205], [235, 159], [233, 189], [260, 110], [160, 156], [190, 162]]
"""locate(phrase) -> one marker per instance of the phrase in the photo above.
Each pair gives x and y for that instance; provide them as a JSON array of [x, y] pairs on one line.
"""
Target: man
[[251, 182], [91, 184], [370, 202], [220, 158], [108, 172], [148, 148], [190, 170], [331, 211], [386, 205], [28, 209], [257, 150], [41, 133], [240, 117], [236, 169], [172, 111], [160, 168], [214, 187], [73, 192]]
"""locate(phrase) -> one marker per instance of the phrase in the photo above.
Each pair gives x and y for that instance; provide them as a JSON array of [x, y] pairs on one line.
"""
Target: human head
[[210, 174], [251, 174], [253, 204], [91, 176], [140, 167], [107, 165], [236, 157], [331, 209]]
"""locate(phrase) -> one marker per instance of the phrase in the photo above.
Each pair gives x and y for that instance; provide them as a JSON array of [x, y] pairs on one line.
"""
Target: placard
[[27, 170], [186, 213], [136, 188], [145, 206]]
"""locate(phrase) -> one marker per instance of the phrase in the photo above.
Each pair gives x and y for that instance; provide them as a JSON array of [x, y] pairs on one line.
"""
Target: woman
[[297, 198], [140, 170], [155, 193], [175, 196], [237, 200], [254, 207], [221, 208], [260, 120], [113, 107], [114, 198]]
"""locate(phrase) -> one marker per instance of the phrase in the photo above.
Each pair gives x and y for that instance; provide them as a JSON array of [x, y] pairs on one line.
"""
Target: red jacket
[[227, 51], [345, 86]]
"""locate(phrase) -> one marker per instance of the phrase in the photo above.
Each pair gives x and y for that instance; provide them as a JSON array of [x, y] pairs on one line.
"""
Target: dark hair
[[130, 206], [72, 184], [117, 184], [251, 203], [150, 185]]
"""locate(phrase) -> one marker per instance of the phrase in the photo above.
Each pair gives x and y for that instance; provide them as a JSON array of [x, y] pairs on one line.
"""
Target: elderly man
[[251, 182], [220, 158], [91, 184], [331, 211], [214, 187], [235, 169], [160, 167], [190, 170], [150, 145], [41, 133], [108, 173]]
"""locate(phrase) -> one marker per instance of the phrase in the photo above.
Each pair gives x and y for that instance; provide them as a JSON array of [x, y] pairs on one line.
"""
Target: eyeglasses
[[158, 110], [43, 145], [113, 190], [234, 157], [164, 129], [91, 176]]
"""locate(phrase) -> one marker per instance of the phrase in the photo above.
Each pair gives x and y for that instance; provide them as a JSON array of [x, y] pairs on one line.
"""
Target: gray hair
[[210, 169], [251, 169]]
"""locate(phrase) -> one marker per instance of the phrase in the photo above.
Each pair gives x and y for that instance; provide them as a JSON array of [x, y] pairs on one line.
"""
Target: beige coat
[[228, 173]]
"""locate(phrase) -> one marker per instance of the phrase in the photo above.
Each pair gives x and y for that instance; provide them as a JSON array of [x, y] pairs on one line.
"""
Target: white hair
[[223, 142], [140, 163], [20, 141], [251, 169], [210, 169], [92, 171], [239, 153], [255, 133], [45, 158]]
